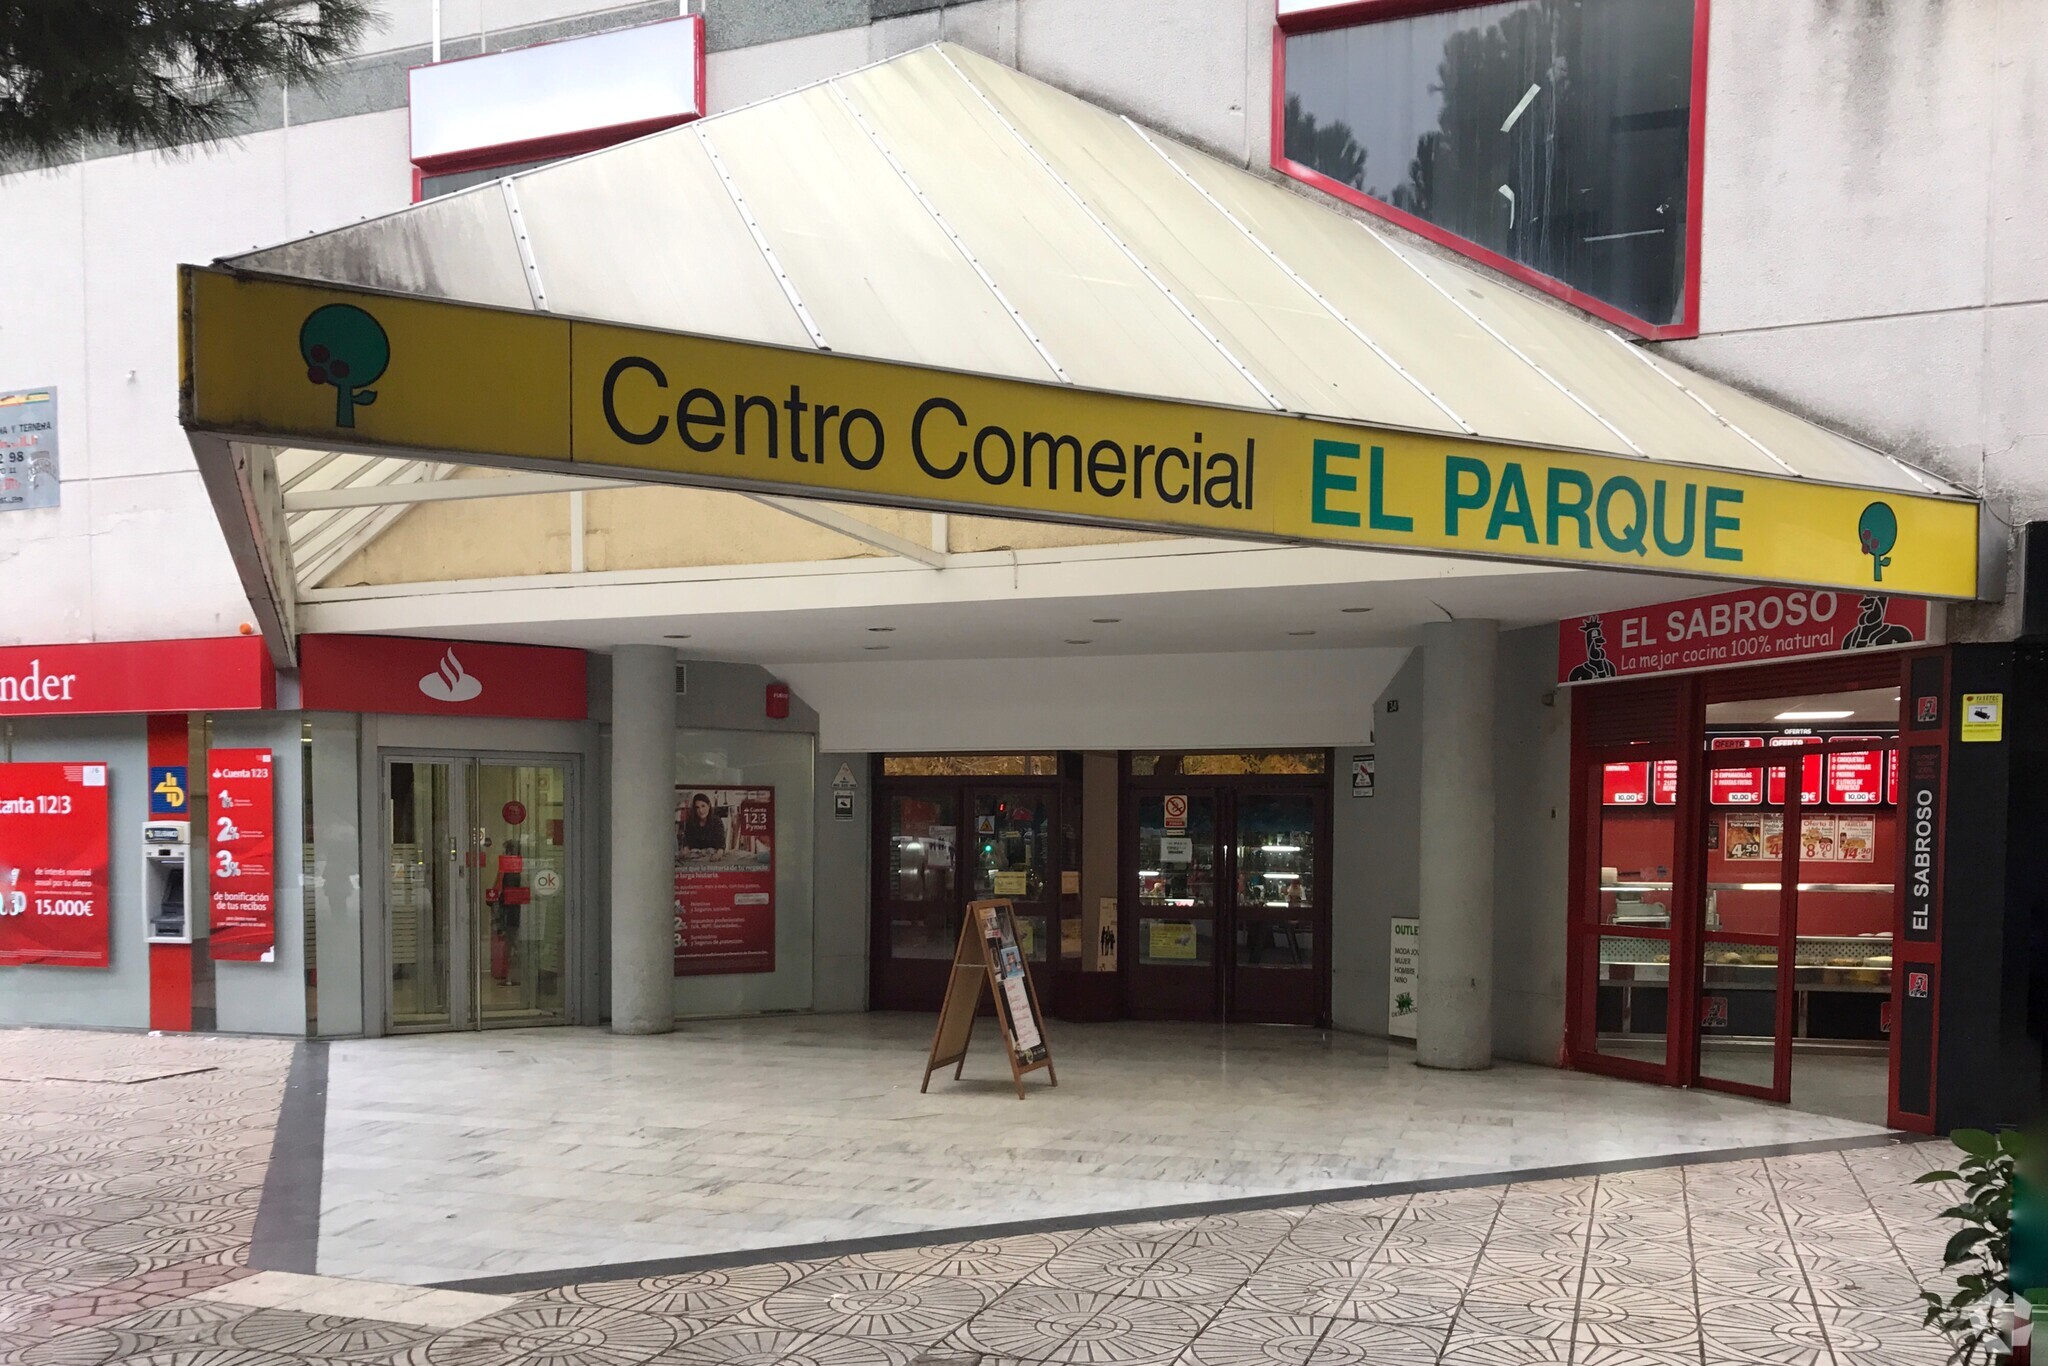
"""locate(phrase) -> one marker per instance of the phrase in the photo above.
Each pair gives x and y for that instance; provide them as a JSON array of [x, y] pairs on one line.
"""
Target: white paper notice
[[1020, 1014]]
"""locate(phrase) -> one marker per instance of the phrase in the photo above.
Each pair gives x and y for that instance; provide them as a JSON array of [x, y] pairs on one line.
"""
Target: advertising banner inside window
[[53, 865], [242, 872], [725, 880]]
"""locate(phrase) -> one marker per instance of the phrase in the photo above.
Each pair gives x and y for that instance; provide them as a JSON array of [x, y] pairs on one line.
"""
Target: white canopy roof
[[942, 209]]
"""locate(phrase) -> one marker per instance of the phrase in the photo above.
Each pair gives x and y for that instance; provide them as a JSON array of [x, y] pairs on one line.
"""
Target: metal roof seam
[[1700, 399], [1082, 204], [534, 286], [1512, 349], [739, 202], [1307, 288], [909, 182]]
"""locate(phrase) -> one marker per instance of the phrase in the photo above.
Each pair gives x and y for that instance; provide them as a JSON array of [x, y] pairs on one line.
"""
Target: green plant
[[1980, 1253]]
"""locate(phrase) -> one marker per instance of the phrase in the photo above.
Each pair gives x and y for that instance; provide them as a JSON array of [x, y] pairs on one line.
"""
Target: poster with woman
[[724, 880]]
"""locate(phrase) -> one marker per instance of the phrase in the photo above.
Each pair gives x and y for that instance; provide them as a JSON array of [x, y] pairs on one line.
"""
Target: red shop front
[[1754, 900]]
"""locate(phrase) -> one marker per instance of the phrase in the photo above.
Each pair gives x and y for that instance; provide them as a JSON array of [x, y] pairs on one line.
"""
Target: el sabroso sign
[[361, 371]]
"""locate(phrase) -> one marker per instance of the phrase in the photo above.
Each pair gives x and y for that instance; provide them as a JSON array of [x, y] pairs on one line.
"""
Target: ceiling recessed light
[[1301, 633], [1813, 715], [874, 647], [881, 630], [681, 635], [1354, 611], [1080, 642], [1105, 621]]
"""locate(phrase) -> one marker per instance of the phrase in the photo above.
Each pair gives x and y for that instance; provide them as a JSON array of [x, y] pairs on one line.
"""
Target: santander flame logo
[[450, 682]]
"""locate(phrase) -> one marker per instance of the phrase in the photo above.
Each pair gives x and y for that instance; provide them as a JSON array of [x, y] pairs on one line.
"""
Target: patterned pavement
[[129, 1189]]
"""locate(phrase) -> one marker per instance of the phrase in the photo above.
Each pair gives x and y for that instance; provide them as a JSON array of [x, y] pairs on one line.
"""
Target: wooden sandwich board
[[989, 952]]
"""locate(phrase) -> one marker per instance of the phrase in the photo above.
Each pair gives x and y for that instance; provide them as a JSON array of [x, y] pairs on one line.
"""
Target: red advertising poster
[[1736, 786], [725, 880], [1810, 771], [1891, 781], [241, 834], [1856, 779], [1625, 784], [1746, 627], [1664, 783], [53, 865]]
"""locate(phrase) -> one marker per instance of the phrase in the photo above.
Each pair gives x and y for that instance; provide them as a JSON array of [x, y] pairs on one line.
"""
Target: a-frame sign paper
[[989, 952]]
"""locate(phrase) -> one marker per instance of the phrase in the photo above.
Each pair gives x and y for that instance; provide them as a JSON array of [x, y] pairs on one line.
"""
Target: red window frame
[[1372, 11], [554, 148]]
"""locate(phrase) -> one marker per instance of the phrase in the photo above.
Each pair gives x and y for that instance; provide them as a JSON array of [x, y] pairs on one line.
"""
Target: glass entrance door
[[477, 893], [1272, 915], [1174, 972], [1746, 919]]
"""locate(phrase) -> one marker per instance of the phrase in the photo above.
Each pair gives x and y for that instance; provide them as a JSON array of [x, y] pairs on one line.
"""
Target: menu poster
[[1736, 786], [1013, 999], [725, 880], [53, 865], [1625, 784], [1664, 782], [1856, 779], [241, 835], [1856, 839], [1817, 836], [1774, 838], [1810, 770], [1742, 838]]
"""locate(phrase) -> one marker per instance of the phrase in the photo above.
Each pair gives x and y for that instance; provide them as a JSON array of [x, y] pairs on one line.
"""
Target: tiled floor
[[452, 1157], [126, 1202]]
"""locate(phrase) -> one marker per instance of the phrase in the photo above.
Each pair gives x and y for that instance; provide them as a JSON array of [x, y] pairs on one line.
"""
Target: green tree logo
[[345, 347], [1403, 1004], [1877, 531]]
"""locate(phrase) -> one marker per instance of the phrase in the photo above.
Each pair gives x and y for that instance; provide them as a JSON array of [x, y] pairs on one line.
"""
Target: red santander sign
[[1746, 627], [417, 676], [211, 673]]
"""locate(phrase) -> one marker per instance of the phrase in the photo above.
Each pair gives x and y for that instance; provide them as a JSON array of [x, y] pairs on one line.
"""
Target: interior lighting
[[1105, 621], [1813, 715], [1148, 872], [1278, 875], [1353, 611], [881, 630], [680, 635], [1301, 633], [1279, 848], [874, 647], [1080, 642]]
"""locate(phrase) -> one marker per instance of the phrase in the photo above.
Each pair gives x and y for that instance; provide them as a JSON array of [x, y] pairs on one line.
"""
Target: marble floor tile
[[764, 1133]]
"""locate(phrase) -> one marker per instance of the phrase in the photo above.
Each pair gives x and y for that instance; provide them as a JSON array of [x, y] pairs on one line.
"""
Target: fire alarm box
[[166, 881], [778, 701]]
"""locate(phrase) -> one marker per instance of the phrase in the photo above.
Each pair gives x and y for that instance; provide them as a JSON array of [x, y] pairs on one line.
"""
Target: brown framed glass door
[[917, 895], [1275, 917], [1012, 857], [1171, 933]]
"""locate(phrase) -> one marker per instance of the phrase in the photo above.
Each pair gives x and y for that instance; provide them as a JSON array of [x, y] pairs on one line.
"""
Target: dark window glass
[[1552, 132]]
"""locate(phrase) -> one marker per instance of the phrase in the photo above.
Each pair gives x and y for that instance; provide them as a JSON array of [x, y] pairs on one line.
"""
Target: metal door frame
[[463, 1015]]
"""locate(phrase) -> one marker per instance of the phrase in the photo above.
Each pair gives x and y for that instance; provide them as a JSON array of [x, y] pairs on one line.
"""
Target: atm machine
[[166, 881]]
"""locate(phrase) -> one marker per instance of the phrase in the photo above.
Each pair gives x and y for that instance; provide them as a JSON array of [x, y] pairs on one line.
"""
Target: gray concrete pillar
[[643, 824], [1454, 1007]]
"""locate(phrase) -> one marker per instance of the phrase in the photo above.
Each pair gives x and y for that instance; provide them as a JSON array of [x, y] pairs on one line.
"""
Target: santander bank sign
[[214, 673], [1747, 627], [417, 676]]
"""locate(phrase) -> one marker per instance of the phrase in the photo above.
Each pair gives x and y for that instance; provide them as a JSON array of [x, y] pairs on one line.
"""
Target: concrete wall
[[118, 994], [1532, 819], [1375, 873], [840, 964], [1211, 701]]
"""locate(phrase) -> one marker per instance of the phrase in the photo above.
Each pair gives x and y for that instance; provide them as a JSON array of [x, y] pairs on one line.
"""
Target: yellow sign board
[[1983, 720], [314, 365]]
